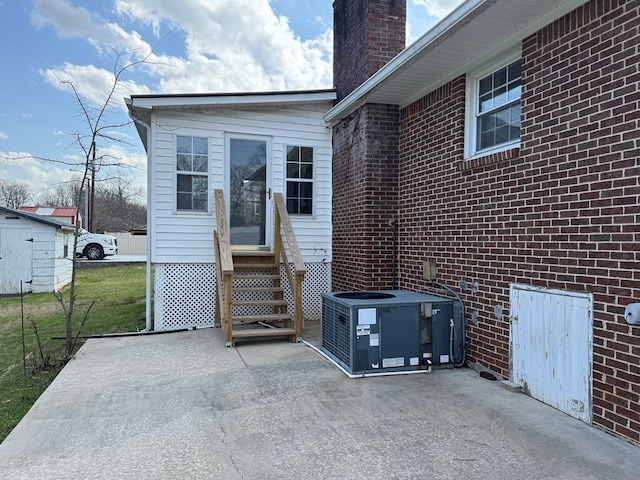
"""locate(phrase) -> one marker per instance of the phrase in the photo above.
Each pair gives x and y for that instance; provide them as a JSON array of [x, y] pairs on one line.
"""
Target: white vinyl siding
[[187, 237]]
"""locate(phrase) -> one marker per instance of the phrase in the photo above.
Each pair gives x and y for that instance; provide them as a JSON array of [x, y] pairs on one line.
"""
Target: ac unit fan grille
[[336, 321]]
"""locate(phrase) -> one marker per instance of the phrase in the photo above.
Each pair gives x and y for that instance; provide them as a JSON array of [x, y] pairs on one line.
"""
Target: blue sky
[[197, 46]]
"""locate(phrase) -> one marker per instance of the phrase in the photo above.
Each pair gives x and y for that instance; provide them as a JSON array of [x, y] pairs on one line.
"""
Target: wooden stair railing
[[257, 269], [295, 279], [224, 268]]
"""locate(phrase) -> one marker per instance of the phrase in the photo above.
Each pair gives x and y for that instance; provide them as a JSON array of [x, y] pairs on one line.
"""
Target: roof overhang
[[141, 106], [228, 100], [64, 226], [473, 33]]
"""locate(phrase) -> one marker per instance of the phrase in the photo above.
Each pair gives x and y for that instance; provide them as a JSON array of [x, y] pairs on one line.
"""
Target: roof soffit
[[469, 36]]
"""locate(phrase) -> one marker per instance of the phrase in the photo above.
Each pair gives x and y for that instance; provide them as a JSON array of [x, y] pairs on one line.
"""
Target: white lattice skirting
[[185, 293]]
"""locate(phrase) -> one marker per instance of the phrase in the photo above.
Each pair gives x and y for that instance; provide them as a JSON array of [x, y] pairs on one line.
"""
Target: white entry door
[[551, 347], [16, 252], [249, 191]]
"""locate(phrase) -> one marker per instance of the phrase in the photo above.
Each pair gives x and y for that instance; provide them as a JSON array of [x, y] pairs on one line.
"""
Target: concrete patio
[[180, 405]]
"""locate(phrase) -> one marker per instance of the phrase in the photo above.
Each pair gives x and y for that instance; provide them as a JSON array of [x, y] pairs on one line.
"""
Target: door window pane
[[248, 191]]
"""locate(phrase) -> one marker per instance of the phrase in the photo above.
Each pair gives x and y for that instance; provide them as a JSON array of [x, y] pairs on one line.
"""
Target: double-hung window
[[494, 110], [192, 173], [300, 180]]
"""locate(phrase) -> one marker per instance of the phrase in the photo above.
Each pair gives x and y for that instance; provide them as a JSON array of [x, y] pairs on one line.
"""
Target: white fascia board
[[230, 100]]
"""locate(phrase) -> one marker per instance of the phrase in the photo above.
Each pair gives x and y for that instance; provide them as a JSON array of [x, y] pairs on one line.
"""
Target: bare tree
[[62, 195], [87, 142], [14, 194], [118, 205]]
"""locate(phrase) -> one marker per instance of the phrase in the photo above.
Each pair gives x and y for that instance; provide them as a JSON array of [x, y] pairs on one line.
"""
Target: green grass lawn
[[119, 294]]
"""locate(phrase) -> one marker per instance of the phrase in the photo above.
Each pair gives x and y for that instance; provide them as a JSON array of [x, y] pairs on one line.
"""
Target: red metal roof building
[[66, 214]]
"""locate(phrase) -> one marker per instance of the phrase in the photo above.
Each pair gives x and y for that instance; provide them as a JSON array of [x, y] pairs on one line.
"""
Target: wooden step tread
[[252, 253], [258, 289], [263, 332], [244, 303], [271, 317], [255, 266], [256, 277]]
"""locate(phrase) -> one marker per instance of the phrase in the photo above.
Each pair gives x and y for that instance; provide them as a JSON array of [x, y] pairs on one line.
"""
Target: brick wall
[[365, 187], [367, 34], [562, 212]]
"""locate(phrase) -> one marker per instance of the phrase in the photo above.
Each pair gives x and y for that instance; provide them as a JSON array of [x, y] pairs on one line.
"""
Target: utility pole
[[92, 189]]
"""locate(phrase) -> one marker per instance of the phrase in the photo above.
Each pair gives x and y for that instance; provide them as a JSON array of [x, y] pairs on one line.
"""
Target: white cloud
[[124, 163], [117, 134], [438, 8], [22, 167], [68, 21], [231, 45], [92, 83], [422, 15], [3, 136], [234, 45], [77, 22]]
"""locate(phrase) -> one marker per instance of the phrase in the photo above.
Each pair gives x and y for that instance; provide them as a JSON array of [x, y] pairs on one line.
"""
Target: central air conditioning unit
[[380, 332]]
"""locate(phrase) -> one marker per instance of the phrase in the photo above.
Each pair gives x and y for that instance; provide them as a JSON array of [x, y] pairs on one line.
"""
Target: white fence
[[131, 244]]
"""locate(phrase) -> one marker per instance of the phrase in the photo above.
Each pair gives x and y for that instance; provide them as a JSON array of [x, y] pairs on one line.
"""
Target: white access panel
[[552, 347]]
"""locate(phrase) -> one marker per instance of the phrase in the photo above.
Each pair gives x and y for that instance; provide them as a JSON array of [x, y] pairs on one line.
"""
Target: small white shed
[[34, 250]]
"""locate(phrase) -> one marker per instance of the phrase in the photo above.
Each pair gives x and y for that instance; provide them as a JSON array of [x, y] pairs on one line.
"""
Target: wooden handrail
[[226, 260], [296, 257], [282, 221], [224, 268]]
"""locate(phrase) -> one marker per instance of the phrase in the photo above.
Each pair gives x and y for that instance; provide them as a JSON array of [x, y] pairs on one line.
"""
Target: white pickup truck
[[95, 246]]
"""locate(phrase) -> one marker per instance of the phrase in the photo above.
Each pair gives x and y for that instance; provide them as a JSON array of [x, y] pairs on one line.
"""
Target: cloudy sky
[[189, 46]]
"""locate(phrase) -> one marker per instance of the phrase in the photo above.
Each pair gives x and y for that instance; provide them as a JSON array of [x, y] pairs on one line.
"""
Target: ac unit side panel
[[441, 334], [336, 331]]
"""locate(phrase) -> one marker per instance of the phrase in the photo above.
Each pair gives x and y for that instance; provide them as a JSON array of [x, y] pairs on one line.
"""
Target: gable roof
[[474, 32], [37, 218]]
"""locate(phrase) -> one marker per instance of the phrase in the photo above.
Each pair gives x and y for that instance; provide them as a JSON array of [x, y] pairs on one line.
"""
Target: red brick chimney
[[366, 35]]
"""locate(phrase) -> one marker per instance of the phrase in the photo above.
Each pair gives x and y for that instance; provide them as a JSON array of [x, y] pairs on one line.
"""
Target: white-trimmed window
[[494, 109], [300, 180], [192, 173]]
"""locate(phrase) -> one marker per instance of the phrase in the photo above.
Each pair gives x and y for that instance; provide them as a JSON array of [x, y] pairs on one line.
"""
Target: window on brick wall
[[300, 180], [192, 174], [494, 108]]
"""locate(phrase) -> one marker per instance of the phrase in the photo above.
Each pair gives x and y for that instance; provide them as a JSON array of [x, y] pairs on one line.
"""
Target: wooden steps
[[248, 283], [258, 297]]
